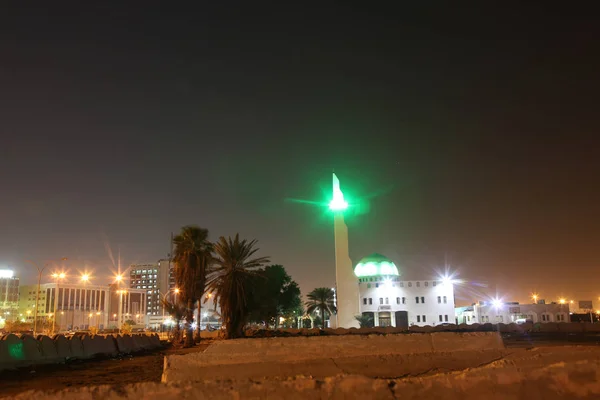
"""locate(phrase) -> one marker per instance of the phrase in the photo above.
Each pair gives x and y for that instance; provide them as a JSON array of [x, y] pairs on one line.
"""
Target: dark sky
[[475, 130]]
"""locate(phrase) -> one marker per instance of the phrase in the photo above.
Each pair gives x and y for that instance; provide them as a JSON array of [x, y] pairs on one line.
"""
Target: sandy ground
[[144, 367], [148, 367]]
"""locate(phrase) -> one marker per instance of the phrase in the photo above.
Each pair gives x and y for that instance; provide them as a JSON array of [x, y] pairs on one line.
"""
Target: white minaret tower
[[347, 294]]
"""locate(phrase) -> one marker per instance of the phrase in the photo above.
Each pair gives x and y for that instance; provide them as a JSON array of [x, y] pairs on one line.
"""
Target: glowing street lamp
[[562, 301], [85, 278], [497, 303], [534, 297]]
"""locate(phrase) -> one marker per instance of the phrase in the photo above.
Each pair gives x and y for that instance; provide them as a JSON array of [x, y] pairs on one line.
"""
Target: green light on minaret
[[337, 203]]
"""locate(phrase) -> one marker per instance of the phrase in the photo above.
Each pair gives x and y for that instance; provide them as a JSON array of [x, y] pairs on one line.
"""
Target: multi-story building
[[9, 294], [158, 281], [81, 305], [27, 298], [508, 312], [390, 301]]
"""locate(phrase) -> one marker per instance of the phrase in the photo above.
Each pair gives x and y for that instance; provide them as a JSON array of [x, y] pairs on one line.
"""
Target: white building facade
[[512, 312], [390, 301]]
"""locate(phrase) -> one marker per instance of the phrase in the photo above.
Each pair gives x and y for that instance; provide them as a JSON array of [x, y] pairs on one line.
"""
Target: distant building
[[158, 282], [502, 312], [9, 294], [79, 306], [390, 301]]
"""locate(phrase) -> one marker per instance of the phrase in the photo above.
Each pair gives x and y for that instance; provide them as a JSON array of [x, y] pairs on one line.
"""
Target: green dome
[[374, 265]]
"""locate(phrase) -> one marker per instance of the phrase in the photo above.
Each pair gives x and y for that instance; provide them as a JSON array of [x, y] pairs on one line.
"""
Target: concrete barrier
[[32, 349], [92, 345], [123, 345], [589, 327], [22, 351], [109, 347], [570, 327], [548, 327], [48, 349], [155, 341], [76, 346], [63, 347]]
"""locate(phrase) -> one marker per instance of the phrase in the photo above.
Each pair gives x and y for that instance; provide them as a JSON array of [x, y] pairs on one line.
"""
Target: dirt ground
[[148, 367], [144, 367]]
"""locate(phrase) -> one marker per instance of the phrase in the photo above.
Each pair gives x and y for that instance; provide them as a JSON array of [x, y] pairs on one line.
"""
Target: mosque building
[[391, 301]]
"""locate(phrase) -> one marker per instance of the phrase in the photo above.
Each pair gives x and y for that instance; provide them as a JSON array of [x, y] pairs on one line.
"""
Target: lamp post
[[118, 279], [37, 294], [57, 277]]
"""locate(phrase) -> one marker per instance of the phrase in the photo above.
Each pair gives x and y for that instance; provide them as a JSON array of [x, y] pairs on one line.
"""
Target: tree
[[177, 312], [273, 294], [192, 257], [364, 320], [233, 269], [321, 299]]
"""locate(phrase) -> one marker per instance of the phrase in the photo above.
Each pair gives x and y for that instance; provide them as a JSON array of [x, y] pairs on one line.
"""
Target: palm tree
[[177, 311], [229, 279], [364, 320], [321, 299], [192, 257]]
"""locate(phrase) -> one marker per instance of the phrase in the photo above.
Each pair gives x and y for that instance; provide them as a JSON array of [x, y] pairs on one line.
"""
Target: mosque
[[390, 301]]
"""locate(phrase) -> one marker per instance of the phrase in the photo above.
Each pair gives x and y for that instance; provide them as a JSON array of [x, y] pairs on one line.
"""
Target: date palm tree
[[192, 257], [177, 312], [321, 299], [230, 275]]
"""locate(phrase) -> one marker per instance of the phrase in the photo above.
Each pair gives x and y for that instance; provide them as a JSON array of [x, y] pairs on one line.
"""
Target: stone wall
[[21, 351]]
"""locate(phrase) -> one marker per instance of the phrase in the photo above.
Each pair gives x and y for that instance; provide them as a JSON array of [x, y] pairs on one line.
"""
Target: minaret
[[347, 295]]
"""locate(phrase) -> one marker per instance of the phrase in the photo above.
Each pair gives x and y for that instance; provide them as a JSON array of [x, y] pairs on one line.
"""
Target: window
[[409, 284], [417, 299], [368, 286], [445, 300], [370, 301], [381, 300], [401, 284], [418, 318], [404, 300], [418, 284], [426, 284], [397, 300], [377, 285], [440, 317], [422, 299], [446, 318], [424, 319], [387, 300], [439, 299], [365, 300], [434, 283]]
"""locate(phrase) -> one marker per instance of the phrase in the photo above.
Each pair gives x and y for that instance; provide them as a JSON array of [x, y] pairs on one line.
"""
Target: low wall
[[570, 327], [21, 351], [387, 355]]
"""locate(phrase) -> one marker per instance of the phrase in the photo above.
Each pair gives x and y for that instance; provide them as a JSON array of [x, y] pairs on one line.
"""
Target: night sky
[[472, 133]]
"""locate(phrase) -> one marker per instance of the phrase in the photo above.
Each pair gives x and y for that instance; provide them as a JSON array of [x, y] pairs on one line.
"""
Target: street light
[[85, 278], [534, 297], [562, 301], [37, 294]]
